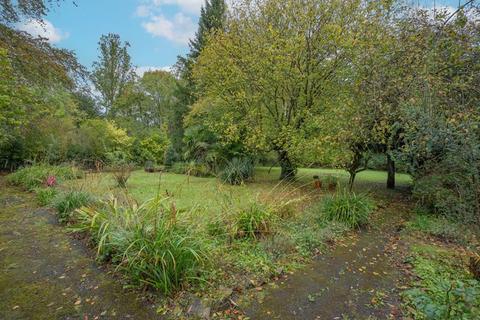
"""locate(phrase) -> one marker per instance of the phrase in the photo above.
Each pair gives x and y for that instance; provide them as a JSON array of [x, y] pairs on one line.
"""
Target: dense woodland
[[351, 85]]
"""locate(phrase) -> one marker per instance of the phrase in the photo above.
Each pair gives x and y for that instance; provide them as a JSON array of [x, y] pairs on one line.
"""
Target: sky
[[157, 30]]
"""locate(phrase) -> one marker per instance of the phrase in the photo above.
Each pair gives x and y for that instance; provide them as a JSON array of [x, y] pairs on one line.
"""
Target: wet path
[[356, 280], [45, 274]]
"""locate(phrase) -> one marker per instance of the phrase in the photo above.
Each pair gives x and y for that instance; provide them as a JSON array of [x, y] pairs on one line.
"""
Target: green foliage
[[444, 289], [254, 221], [145, 242], [120, 166], [45, 195], [446, 167], [347, 207], [191, 168], [237, 171], [441, 228], [171, 156], [113, 71], [36, 175], [67, 202]]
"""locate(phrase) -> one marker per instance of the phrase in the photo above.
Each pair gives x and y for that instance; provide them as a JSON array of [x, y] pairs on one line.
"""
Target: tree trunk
[[288, 169], [351, 181], [391, 172]]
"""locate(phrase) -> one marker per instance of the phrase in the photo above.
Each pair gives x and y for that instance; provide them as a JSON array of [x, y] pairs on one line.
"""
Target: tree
[[212, 17], [113, 70], [274, 71], [14, 11]]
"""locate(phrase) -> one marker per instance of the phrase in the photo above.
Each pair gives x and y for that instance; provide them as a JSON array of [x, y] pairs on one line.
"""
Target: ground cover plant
[[65, 203], [37, 175]]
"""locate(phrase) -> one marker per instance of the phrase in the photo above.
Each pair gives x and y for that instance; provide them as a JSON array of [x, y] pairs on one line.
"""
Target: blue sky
[[157, 30]]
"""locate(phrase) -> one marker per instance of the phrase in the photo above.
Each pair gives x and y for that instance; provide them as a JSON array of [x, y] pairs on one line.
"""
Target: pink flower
[[51, 181]]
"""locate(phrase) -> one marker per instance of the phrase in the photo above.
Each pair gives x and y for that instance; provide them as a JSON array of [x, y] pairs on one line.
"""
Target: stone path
[[46, 274]]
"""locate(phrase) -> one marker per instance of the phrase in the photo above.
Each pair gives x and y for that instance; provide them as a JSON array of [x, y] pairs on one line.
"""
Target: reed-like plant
[[145, 241], [348, 207], [67, 202]]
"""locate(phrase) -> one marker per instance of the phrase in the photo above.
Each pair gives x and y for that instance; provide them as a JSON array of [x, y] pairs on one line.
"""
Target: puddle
[[46, 274]]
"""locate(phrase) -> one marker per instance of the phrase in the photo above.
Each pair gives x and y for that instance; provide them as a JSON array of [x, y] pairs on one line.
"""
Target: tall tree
[[113, 70], [274, 71], [212, 17]]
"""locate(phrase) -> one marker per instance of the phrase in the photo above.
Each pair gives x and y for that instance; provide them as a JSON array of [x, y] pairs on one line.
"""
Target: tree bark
[[351, 181], [391, 172], [288, 171]]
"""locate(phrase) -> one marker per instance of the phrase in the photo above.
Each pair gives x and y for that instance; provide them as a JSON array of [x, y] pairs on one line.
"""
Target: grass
[[36, 176], [189, 191], [67, 202], [145, 242], [248, 232], [444, 289], [347, 207]]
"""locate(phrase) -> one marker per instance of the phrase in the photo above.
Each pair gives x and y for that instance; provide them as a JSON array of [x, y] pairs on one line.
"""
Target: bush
[[145, 242], [237, 171], [191, 169], [441, 228], [121, 167], [448, 195], [45, 195], [254, 221], [348, 207], [66, 203], [37, 175], [444, 289]]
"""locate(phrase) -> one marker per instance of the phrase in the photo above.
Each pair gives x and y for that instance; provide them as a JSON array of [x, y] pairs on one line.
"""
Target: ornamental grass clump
[[349, 208], [145, 242], [254, 221], [237, 171], [67, 202]]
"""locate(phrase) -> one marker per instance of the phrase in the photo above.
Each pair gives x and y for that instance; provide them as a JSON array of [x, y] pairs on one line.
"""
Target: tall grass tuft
[[237, 171], [145, 241], [45, 195], [67, 202], [37, 175], [348, 207], [254, 221]]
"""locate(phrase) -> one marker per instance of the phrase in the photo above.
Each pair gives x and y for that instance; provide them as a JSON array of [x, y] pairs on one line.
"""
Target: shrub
[[66, 203], [348, 207], [237, 171], [121, 167], [254, 221], [170, 157], [191, 169], [45, 195], [121, 174], [145, 242], [440, 227], [149, 166], [444, 289], [447, 195], [37, 175]]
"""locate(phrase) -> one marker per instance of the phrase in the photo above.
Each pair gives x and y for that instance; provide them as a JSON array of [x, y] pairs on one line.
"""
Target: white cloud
[[189, 6], [44, 29], [178, 29], [141, 70], [143, 11]]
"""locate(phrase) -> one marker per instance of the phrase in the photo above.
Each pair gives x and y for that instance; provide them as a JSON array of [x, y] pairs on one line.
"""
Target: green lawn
[[211, 193]]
